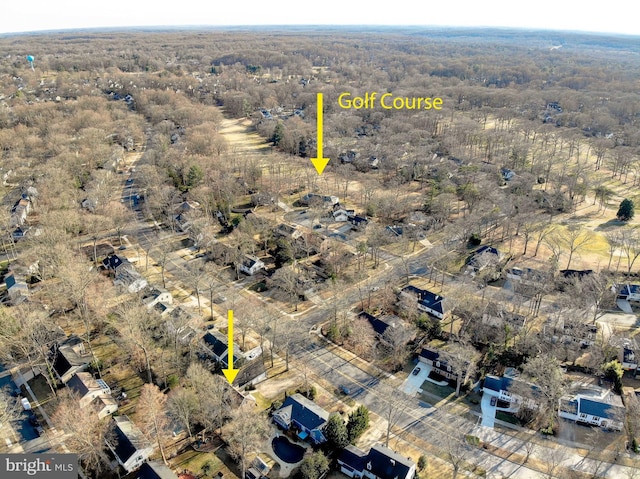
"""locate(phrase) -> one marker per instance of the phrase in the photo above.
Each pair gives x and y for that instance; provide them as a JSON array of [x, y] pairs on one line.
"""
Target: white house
[[17, 288], [157, 295], [251, 265], [131, 448], [430, 303], [597, 407], [630, 292], [93, 392], [629, 358]]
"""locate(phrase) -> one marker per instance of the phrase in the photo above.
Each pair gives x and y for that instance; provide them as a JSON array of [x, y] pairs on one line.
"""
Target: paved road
[[436, 426]]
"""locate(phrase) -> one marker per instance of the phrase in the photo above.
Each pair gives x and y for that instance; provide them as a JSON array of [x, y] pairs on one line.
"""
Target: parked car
[[26, 404], [416, 371], [345, 389]]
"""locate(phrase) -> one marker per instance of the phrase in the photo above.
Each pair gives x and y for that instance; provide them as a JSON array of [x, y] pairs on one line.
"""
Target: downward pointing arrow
[[319, 162], [230, 373]]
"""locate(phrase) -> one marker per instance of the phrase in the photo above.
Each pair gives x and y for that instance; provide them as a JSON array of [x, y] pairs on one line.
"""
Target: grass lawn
[[194, 461], [506, 417], [440, 391], [262, 402]]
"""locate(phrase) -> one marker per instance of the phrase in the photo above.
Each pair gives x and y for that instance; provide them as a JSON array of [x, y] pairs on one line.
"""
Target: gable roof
[[379, 325], [600, 409], [304, 411], [249, 371], [82, 383], [129, 438], [628, 289], [219, 347], [155, 470], [498, 384], [426, 298], [387, 464], [113, 261], [353, 457]]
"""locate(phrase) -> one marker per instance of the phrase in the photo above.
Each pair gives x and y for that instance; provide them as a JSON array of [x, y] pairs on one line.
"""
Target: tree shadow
[[612, 223]]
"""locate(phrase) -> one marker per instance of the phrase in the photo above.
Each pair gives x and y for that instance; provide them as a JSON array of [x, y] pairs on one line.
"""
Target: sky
[[613, 16]]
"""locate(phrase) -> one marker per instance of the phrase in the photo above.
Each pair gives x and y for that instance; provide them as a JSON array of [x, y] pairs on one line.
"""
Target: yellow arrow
[[319, 161], [230, 373]]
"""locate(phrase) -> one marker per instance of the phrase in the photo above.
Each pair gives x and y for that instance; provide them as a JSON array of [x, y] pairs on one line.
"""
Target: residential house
[[94, 392], [20, 211], [629, 359], [251, 265], [438, 364], [217, 345], [288, 231], [570, 332], [20, 232], [89, 204], [342, 215], [263, 199], [325, 200], [379, 463], [527, 276], [182, 222], [507, 174], [258, 469], [630, 292], [251, 373], [303, 415], [155, 470], [250, 364], [483, 257], [358, 222], [379, 325], [156, 295], [125, 274], [501, 387], [593, 406], [69, 357], [504, 393], [131, 448], [382, 324], [17, 288], [428, 302]]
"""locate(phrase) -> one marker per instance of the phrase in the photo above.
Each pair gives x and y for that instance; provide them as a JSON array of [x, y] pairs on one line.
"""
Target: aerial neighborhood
[[185, 294]]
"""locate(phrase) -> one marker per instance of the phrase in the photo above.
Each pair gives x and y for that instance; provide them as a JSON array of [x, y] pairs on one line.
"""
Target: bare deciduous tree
[[246, 433], [152, 418], [85, 432]]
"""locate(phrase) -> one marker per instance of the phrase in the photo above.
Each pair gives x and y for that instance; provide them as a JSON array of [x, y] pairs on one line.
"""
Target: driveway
[[412, 384], [488, 410]]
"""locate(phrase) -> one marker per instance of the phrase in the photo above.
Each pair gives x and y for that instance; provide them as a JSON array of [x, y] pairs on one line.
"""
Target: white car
[[26, 404]]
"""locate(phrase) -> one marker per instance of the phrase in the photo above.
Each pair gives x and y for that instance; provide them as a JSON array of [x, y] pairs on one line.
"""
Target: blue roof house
[[430, 303], [307, 417], [594, 407]]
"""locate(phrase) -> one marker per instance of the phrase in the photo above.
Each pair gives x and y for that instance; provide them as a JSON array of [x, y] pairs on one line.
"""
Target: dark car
[[345, 390], [416, 371]]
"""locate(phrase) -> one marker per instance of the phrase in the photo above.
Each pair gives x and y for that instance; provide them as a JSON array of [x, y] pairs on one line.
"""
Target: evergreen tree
[[625, 211], [278, 134], [336, 433], [358, 422]]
